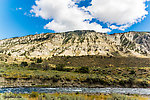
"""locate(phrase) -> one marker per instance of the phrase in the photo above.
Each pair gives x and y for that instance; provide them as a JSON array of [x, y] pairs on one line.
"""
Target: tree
[[9, 54], [24, 64], [39, 60]]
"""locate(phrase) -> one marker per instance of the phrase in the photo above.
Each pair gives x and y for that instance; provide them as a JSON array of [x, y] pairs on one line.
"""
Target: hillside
[[77, 43], [76, 59], [100, 61]]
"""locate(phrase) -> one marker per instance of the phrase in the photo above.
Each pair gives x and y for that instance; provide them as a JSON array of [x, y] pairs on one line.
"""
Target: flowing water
[[140, 91]]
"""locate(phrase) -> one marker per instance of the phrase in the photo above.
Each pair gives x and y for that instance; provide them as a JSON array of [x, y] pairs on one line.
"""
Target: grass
[[108, 76], [69, 72], [71, 96], [100, 61], [96, 74]]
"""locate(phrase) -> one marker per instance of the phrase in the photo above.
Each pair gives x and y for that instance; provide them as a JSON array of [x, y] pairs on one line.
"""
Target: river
[[140, 91]]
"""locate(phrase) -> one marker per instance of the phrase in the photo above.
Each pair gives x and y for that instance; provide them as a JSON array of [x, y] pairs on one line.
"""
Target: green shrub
[[132, 72], [67, 69], [56, 78], [9, 54], [96, 80], [33, 95], [61, 97], [68, 97], [39, 60], [144, 84], [8, 96], [24, 64], [60, 67], [45, 66], [84, 70], [50, 97], [119, 97], [32, 66]]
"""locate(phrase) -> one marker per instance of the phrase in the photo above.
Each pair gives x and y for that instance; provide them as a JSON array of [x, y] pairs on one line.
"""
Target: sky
[[26, 17]]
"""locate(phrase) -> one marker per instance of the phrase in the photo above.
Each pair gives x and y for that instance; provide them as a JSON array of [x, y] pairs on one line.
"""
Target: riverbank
[[71, 96], [14, 75]]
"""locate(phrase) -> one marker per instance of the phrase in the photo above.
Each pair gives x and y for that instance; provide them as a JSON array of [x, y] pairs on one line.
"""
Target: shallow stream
[[140, 91]]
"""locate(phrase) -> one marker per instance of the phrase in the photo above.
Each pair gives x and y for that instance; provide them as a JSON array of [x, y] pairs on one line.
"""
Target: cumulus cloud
[[68, 16], [120, 12], [122, 27]]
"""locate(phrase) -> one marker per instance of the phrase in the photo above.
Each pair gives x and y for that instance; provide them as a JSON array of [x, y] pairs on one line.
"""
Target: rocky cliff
[[77, 43]]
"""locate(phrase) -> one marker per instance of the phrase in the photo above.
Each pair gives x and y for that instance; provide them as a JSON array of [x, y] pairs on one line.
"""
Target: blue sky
[[16, 19], [14, 23]]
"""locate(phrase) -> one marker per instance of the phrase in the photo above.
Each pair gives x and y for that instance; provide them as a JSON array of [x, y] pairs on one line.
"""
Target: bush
[[132, 72], [122, 82], [9, 54], [67, 69], [39, 60], [62, 97], [68, 97], [24, 64], [33, 95], [144, 84], [50, 97], [8, 96], [84, 70], [60, 67], [96, 80], [33, 66], [56, 78], [45, 66], [118, 97]]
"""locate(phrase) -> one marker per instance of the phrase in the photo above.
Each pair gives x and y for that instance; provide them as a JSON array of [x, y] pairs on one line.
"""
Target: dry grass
[[73, 96]]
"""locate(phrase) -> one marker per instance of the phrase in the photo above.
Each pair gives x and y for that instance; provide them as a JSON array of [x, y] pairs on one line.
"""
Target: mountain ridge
[[78, 43], [74, 31]]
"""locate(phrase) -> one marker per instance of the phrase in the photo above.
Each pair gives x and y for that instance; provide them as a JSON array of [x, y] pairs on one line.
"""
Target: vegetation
[[72, 96], [67, 39], [63, 75], [9, 54], [60, 67], [86, 71], [39, 60], [33, 95], [100, 61], [24, 64], [83, 70]]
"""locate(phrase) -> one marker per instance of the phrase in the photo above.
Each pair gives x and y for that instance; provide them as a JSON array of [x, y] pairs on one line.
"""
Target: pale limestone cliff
[[77, 43]]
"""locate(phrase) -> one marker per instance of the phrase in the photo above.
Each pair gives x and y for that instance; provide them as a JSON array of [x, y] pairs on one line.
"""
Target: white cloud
[[58, 27], [120, 12], [18, 8], [114, 27], [122, 27], [68, 16]]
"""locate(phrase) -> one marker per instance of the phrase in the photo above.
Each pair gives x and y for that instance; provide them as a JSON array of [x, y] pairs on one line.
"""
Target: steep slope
[[77, 43]]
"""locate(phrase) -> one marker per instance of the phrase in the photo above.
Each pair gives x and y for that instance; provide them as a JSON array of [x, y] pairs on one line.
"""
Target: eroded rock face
[[78, 43]]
